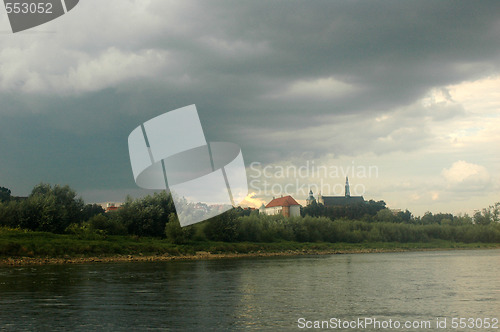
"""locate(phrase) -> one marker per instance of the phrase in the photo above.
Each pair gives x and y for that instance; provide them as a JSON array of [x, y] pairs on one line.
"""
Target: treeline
[[46, 209], [355, 211], [57, 209], [321, 229], [372, 211]]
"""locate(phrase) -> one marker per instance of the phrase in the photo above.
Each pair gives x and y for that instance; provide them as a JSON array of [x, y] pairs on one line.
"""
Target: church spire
[[347, 192], [310, 199]]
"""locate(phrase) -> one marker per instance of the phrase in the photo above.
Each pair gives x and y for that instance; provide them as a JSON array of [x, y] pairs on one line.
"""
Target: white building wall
[[273, 210], [294, 210]]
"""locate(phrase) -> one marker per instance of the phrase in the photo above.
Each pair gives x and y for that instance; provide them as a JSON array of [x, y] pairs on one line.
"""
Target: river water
[[278, 293]]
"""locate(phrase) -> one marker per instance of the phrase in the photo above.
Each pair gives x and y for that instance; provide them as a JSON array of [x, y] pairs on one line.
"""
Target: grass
[[21, 243]]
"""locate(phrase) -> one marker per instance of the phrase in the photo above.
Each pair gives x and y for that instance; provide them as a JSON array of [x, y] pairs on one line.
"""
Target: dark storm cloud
[[393, 52]]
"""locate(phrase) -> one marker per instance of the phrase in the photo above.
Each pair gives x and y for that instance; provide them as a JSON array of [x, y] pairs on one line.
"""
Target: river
[[276, 293]]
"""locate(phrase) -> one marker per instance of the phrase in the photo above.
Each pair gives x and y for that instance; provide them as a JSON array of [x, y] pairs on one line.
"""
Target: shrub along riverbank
[[27, 247]]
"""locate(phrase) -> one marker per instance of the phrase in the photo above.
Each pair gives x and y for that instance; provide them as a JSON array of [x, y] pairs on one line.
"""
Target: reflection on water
[[259, 293]]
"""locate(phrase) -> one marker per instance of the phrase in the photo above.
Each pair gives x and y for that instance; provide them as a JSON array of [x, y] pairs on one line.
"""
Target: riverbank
[[18, 247], [22, 261]]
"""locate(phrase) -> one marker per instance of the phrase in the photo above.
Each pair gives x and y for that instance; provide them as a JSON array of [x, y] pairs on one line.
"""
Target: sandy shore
[[201, 255], [16, 261]]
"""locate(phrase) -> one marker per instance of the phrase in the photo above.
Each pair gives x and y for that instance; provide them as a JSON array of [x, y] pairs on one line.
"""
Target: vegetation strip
[[53, 225], [19, 247]]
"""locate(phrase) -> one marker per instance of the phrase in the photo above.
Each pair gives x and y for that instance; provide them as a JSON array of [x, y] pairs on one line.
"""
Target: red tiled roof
[[282, 201]]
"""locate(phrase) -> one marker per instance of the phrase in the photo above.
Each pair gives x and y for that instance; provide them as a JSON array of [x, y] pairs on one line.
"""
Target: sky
[[401, 96]]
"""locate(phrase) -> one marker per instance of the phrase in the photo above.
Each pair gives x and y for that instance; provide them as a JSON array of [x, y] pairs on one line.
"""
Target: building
[[110, 206], [287, 206], [310, 199], [345, 200]]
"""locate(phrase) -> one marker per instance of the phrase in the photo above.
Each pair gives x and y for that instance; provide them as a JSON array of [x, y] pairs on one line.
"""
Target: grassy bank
[[23, 246]]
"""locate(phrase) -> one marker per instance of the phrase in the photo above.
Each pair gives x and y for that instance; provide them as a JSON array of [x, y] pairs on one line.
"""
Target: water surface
[[250, 293]]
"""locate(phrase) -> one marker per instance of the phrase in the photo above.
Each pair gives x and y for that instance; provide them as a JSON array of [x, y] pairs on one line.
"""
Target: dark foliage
[[91, 210], [222, 227], [356, 211], [4, 194], [49, 209], [145, 216]]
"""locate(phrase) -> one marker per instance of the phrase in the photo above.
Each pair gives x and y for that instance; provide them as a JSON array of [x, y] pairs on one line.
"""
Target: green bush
[[86, 231], [111, 226], [222, 227], [263, 228], [175, 233]]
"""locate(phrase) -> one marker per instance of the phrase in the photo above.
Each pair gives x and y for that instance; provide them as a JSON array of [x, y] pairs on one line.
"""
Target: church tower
[[347, 191], [310, 199]]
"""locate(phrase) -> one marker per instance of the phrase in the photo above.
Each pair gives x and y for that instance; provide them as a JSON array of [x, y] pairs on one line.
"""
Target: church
[[345, 200]]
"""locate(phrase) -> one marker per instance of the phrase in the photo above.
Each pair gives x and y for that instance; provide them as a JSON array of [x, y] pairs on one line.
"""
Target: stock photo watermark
[[25, 14], [370, 323], [299, 180], [171, 152]]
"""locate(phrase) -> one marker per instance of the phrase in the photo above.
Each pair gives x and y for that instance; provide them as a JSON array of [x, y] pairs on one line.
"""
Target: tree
[[405, 216], [50, 209], [494, 212], [146, 216], [427, 218], [106, 224], [462, 219], [483, 218], [385, 215], [222, 227], [91, 210], [175, 233], [9, 213], [4, 194], [314, 210]]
